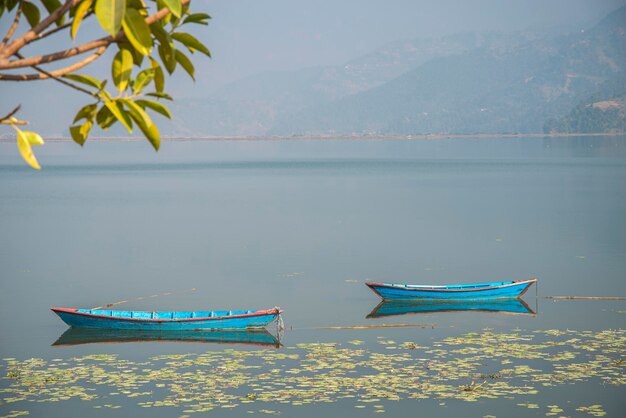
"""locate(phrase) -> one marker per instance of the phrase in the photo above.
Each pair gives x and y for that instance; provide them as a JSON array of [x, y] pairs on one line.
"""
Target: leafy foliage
[[139, 29]]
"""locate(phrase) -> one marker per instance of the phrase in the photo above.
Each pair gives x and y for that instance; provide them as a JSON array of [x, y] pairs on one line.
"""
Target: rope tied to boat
[[280, 324]]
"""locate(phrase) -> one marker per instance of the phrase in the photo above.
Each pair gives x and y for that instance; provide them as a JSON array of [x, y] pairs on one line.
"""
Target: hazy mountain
[[470, 83], [252, 105], [604, 111], [487, 90]]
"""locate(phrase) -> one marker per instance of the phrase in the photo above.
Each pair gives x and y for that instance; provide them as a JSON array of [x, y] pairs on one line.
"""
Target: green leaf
[[88, 112], [191, 43], [144, 122], [32, 14], [160, 33], [137, 57], [185, 62], [121, 68], [175, 7], [105, 118], [51, 6], [159, 77], [24, 142], [10, 4], [81, 11], [166, 52], [120, 114], [81, 132], [85, 79], [199, 18], [137, 31], [105, 95], [136, 4], [143, 79], [111, 14], [168, 17], [166, 46], [156, 106], [160, 95]]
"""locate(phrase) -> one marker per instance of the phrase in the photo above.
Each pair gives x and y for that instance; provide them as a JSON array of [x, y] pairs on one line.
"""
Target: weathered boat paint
[[168, 320], [491, 290], [514, 306]]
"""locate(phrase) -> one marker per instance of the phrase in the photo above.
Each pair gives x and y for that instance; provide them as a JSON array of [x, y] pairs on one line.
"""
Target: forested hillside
[[529, 82]]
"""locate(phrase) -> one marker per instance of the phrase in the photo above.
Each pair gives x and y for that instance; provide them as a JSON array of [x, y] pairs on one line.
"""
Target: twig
[[13, 122], [55, 30], [68, 53], [586, 297], [11, 113], [162, 13], [31, 35], [11, 31], [56, 73], [61, 55], [10, 120], [382, 326], [60, 80]]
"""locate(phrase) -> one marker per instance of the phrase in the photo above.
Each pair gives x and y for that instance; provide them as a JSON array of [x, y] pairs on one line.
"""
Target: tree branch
[[11, 31], [55, 30], [56, 73], [10, 120], [162, 13], [60, 80], [61, 55], [13, 122], [32, 34], [59, 28], [68, 53], [11, 113]]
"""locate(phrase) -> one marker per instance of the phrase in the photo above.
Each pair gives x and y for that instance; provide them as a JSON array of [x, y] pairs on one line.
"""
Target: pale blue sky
[[247, 36], [250, 36]]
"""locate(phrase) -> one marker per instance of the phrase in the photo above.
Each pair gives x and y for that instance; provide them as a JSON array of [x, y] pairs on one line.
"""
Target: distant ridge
[[465, 84]]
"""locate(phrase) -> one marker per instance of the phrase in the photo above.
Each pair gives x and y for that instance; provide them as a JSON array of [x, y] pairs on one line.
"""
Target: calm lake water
[[301, 225]]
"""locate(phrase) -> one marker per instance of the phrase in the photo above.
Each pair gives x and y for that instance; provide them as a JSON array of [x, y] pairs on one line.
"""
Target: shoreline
[[348, 137]]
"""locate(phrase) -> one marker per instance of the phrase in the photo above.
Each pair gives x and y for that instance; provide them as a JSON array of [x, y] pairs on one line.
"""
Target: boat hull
[[494, 290], [84, 318]]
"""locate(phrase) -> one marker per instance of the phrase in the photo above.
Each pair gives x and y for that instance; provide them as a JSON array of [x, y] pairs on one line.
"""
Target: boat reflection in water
[[76, 336], [503, 306]]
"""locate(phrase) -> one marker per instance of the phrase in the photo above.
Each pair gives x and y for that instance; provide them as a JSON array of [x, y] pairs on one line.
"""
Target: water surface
[[301, 225]]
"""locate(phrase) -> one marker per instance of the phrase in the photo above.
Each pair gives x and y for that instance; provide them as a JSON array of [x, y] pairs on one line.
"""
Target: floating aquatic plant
[[470, 367], [595, 410]]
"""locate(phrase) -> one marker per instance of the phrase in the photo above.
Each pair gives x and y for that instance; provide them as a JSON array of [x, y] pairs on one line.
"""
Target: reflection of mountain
[[502, 306], [76, 336], [460, 84]]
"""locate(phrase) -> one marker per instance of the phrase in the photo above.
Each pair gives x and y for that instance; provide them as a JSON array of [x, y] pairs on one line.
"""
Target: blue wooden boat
[[514, 306], [167, 320], [78, 336], [492, 290]]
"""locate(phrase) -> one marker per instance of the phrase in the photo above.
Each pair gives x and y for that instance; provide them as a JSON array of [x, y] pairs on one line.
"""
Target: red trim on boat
[[204, 318]]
